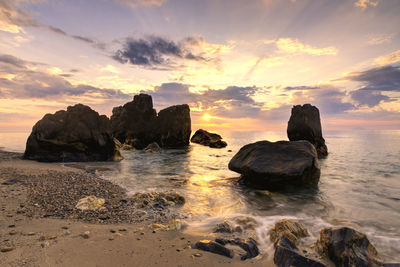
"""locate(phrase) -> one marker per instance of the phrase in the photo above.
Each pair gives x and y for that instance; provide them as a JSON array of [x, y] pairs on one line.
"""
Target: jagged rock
[[247, 222], [78, 134], [347, 247], [276, 165], [249, 246], [214, 247], [137, 124], [174, 126], [292, 230], [225, 227], [153, 148], [305, 124], [90, 203], [205, 138]]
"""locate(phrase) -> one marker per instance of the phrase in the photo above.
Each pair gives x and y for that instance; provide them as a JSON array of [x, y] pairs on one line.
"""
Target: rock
[[205, 138], [247, 222], [45, 244], [78, 134], [249, 246], [275, 165], [305, 124], [347, 247], [6, 249], [85, 235], [225, 227], [174, 126], [153, 148], [292, 230], [90, 203], [287, 255], [214, 247], [137, 121], [172, 225], [158, 199]]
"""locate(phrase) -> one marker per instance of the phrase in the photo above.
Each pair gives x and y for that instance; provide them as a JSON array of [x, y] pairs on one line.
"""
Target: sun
[[206, 117]]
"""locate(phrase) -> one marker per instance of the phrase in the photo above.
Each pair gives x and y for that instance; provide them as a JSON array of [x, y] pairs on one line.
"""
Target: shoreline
[[42, 228]]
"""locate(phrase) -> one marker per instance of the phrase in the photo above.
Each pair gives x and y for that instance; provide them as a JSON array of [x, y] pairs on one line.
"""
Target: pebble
[[85, 235], [11, 226], [12, 233], [65, 227], [6, 249], [122, 230], [197, 255], [141, 233], [67, 233], [30, 233], [45, 244], [112, 231]]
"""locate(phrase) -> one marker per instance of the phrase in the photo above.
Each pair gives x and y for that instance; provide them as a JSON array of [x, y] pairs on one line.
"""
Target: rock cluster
[[137, 124], [77, 134], [205, 138], [305, 124], [275, 165], [249, 247]]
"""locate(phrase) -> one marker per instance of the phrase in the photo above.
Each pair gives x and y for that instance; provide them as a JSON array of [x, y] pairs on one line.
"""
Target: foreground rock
[[78, 134], [157, 199], [347, 247], [137, 124], [290, 229], [205, 138], [214, 247], [249, 246], [90, 203], [276, 165], [305, 124]]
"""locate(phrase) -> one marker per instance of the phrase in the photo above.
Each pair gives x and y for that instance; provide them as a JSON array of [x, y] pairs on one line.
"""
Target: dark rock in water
[[78, 134], [214, 247], [208, 139], [292, 230], [305, 124], [174, 126], [250, 246], [135, 119], [225, 227], [133, 144], [276, 165], [137, 124], [153, 148], [287, 255], [347, 247]]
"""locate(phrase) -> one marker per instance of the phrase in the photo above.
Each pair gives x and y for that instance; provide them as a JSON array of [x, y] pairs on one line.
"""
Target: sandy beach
[[39, 227]]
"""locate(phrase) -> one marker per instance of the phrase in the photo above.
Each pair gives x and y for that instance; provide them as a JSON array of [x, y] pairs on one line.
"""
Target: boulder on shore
[[137, 124], [347, 247], [205, 138], [77, 134], [305, 124], [275, 165]]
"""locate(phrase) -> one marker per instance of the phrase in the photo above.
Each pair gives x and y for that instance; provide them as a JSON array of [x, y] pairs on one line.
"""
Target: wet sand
[[36, 236]]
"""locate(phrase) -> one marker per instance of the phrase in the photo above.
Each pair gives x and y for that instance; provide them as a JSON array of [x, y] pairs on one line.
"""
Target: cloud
[[157, 52], [385, 78], [388, 59], [380, 39], [363, 4], [369, 98], [294, 46], [136, 3], [18, 80]]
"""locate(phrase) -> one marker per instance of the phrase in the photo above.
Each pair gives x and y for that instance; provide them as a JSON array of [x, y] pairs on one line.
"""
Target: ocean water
[[359, 185]]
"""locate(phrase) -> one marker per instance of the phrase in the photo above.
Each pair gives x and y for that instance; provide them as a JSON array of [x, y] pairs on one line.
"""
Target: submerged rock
[[275, 165], [205, 138], [225, 227], [78, 134], [305, 124], [347, 247], [90, 203], [158, 199], [137, 124], [249, 246], [292, 230], [153, 148], [214, 247]]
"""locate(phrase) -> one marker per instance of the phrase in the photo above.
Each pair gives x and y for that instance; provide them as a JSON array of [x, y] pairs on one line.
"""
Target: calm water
[[359, 185]]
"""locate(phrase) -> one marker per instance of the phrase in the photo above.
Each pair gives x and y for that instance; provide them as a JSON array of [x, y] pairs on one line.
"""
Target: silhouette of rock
[[77, 134], [276, 165], [305, 124], [208, 139]]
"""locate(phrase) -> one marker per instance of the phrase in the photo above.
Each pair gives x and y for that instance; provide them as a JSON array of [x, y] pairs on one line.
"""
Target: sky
[[240, 64]]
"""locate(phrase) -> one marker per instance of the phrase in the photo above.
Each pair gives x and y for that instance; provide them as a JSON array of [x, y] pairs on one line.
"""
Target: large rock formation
[[205, 138], [305, 124], [78, 134], [276, 165], [137, 123]]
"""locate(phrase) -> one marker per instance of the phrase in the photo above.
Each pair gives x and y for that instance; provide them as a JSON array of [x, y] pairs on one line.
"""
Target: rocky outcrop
[[277, 165], [205, 138], [137, 124], [305, 124], [347, 247], [77, 134]]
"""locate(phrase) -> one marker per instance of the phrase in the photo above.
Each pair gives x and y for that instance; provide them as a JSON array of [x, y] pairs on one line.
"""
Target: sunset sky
[[239, 64]]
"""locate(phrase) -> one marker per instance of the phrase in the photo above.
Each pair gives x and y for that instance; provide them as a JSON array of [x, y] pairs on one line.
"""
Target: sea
[[359, 185]]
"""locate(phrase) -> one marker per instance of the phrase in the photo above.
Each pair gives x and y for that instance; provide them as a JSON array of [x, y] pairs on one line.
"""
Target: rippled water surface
[[359, 186]]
